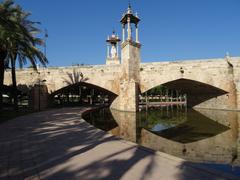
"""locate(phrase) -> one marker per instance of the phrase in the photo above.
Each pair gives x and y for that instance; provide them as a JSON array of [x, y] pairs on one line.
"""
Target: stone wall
[[56, 78], [222, 74], [219, 73]]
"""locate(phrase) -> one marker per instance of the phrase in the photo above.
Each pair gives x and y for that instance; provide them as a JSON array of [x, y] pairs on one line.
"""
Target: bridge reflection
[[198, 136]]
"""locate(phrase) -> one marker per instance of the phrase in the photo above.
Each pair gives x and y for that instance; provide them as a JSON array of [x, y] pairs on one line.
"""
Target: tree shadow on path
[[45, 145]]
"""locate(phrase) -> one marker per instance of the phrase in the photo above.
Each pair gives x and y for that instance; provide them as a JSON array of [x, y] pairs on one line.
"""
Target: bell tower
[[129, 19], [130, 46], [130, 64], [112, 49]]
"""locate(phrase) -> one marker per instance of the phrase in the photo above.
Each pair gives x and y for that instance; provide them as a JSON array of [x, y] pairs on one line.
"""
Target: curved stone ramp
[[59, 144]]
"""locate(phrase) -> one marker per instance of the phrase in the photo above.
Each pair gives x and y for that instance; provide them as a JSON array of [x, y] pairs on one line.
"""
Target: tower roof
[[133, 18], [113, 38]]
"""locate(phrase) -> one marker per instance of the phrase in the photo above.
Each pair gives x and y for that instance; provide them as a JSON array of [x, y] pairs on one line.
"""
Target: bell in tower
[[112, 49]]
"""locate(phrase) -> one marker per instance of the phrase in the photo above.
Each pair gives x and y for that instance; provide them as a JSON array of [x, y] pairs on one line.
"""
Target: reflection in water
[[101, 119], [207, 136], [191, 127]]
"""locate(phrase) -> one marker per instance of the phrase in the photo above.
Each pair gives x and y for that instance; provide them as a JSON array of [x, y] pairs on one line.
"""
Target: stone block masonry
[[202, 74]]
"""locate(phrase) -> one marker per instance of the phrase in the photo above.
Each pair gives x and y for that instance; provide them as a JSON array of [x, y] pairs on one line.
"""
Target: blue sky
[[169, 29]]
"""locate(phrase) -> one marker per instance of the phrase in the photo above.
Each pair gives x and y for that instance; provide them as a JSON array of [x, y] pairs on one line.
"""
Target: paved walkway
[[58, 144]]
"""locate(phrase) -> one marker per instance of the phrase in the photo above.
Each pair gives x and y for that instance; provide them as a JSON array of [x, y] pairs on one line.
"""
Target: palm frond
[[17, 35]]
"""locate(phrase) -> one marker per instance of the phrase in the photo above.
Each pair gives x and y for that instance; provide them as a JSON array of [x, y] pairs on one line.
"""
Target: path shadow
[[39, 144], [59, 145]]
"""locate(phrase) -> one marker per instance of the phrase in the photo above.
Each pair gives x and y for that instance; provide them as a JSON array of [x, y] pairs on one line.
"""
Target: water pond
[[206, 137]]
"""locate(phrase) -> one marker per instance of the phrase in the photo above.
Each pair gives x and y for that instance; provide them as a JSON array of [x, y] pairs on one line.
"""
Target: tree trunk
[[14, 84], [3, 55]]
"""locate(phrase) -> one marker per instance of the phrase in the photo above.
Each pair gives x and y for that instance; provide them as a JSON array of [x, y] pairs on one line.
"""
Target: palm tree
[[21, 42], [6, 29], [74, 80]]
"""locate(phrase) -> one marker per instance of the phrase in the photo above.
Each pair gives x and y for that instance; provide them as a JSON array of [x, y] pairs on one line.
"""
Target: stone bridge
[[209, 83]]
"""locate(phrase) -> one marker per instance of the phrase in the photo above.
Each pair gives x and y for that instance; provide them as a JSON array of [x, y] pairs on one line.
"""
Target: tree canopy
[[18, 35]]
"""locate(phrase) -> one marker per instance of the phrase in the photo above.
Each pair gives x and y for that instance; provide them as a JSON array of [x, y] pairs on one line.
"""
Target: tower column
[[129, 79], [108, 50], [137, 40], [129, 28], [117, 50], [123, 32]]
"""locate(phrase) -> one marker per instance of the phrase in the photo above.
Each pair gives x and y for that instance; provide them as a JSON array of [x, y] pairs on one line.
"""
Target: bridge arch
[[197, 92], [84, 90]]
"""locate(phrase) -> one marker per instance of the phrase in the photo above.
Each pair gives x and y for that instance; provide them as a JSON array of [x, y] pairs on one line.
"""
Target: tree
[[6, 27], [20, 43], [74, 81]]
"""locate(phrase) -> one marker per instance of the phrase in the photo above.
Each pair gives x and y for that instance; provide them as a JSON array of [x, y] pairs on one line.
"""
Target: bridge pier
[[129, 80], [130, 68]]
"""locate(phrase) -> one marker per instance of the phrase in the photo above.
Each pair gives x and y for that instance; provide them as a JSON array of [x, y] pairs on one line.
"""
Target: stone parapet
[[222, 74]]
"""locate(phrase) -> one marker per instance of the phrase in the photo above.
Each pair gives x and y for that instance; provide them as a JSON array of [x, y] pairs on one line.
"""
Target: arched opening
[[182, 91], [80, 94], [197, 92]]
